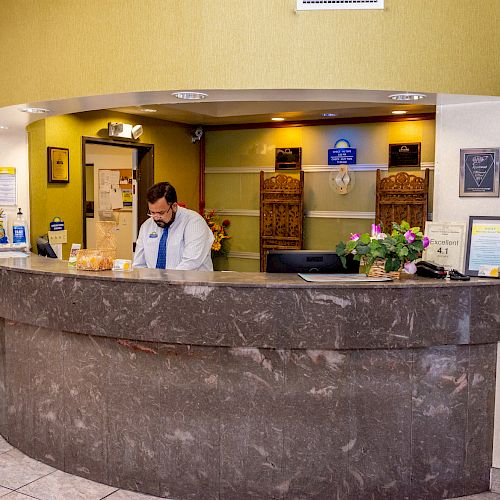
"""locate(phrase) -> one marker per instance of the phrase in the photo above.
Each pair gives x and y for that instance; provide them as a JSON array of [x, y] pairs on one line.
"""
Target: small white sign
[[446, 244]]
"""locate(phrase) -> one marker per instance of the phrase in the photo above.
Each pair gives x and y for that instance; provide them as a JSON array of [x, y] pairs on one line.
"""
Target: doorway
[[116, 176]]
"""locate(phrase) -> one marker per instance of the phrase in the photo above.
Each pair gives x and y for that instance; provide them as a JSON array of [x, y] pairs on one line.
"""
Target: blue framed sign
[[342, 156]]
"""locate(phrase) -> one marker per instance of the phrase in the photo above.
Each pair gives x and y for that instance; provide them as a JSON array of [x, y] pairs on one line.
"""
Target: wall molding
[[315, 214], [308, 169]]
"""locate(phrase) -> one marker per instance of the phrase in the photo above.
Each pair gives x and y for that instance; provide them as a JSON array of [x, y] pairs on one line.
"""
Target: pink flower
[[354, 236], [410, 236], [376, 230], [425, 242], [410, 268]]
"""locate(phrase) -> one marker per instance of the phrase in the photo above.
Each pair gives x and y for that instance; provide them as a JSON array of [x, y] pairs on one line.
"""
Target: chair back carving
[[281, 214], [402, 196]]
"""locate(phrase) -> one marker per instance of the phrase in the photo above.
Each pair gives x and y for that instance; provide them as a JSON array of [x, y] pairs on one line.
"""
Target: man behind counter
[[173, 237]]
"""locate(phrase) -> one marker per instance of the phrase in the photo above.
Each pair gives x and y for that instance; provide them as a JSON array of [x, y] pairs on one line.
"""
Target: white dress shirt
[[189, 243]]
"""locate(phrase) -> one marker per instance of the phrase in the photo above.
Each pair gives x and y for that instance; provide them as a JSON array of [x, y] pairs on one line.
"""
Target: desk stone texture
[[264, 388]]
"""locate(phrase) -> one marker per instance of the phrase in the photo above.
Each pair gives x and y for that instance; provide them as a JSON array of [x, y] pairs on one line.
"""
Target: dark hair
[[162, 190]]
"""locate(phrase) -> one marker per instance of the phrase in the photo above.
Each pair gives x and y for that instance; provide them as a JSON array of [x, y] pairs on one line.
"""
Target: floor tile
[[16, 469], [4, 446], [4, 491], [59, 485], [129, 495]]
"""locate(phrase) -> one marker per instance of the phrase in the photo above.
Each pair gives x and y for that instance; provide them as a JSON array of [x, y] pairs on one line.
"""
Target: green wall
[[254, 148], [176, 160]]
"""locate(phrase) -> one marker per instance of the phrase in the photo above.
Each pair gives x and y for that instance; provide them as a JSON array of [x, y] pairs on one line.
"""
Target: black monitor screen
[[309, 261], [44, 249]]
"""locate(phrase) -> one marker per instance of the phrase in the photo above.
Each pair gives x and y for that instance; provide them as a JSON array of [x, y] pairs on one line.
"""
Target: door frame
[[144, 175]]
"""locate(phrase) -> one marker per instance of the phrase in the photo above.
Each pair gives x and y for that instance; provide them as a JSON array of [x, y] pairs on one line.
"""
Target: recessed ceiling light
[[4, 127], [277, 119], [34, 110], [407, 96], [148, 110], [328, 115], [399, 112], [190, 96]]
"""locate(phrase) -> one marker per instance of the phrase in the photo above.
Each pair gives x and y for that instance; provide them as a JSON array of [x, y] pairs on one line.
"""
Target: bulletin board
[[115, 190]]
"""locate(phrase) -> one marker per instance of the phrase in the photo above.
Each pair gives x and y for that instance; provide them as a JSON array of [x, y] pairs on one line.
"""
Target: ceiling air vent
[[339, 4]]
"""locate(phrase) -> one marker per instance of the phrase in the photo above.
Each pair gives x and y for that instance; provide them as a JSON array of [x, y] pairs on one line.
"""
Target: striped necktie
[[161, 261]]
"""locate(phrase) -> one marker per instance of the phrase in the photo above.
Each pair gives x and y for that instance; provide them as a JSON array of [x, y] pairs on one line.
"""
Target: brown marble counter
[[246, 385]]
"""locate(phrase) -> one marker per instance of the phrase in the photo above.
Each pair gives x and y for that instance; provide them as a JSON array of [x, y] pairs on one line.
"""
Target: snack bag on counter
[[72, 254]]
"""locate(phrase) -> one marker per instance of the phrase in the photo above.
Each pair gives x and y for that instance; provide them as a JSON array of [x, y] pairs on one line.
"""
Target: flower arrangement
[[218, 228], [404, 245]]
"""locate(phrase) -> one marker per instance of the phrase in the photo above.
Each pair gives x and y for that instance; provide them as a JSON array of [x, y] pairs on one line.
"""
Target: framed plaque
[[58, 164], [404, 155], [479, 172], [483, 243], [288, 159], [446, 244]]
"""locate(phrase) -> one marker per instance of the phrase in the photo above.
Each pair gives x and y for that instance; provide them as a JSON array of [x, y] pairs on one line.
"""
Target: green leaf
[[365, 238], [351, 245], [363, 250], [340, 249]]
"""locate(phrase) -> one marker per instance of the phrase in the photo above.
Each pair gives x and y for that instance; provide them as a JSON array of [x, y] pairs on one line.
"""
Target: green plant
[[404, 245]]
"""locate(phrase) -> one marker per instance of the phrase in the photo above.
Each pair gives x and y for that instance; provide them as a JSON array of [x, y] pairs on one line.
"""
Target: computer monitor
[[44, 249], [309, 261]]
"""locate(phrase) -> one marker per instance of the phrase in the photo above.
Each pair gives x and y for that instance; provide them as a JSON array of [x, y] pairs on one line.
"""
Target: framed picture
[[483, 243], [479, 172], [446, 244], [58, 164], [404, 155], [288, 159]]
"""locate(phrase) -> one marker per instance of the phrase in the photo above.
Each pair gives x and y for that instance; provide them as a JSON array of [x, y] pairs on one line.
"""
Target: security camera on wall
[[124, 130], [196, 135]]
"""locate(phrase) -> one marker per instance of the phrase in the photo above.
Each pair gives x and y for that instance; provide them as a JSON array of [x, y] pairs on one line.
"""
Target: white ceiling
[[236, 106]]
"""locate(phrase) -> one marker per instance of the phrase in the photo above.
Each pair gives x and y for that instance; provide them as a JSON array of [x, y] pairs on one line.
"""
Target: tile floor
[[22, 478]]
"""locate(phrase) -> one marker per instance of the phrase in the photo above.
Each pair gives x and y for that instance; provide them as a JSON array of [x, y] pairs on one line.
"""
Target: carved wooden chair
[[281, 214], [401, 196]]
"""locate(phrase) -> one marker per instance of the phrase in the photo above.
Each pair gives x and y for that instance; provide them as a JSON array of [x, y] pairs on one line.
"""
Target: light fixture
[[35, 110], [190, 96], [148, 110], [328, 115], [407, 96], [399, 112], [277, 119], [4, 127]]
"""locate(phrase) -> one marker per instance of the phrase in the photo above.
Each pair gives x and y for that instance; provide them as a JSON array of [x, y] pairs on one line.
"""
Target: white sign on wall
[[446, 244], [7, 186]]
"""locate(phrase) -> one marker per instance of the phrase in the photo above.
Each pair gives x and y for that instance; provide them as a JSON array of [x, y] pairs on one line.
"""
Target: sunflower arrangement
[[219, 230]]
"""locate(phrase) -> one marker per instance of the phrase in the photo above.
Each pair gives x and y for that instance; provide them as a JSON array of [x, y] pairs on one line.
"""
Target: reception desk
[[245, 385]]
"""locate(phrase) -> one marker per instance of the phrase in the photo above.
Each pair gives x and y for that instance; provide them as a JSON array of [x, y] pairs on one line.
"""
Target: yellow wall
[[176, 160], [54, 49], [256, 148]]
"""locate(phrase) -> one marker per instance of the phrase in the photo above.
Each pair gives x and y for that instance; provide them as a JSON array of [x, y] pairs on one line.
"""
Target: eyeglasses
[[161, 213]]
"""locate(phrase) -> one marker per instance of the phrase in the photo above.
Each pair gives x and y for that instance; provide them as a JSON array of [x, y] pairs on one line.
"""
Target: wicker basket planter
[[378, 271]]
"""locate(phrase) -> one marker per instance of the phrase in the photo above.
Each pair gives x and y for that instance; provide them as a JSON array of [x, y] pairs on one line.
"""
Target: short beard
[[162, 224]]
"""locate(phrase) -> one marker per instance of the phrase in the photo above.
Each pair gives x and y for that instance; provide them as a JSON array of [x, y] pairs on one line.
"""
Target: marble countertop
[[42, 265]]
